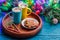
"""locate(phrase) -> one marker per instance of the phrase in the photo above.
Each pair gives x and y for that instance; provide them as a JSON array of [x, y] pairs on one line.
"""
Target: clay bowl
[[18, 31], [29, 28]]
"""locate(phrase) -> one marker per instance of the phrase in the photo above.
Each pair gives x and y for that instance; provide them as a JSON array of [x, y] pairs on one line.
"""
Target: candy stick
[[16, 27]]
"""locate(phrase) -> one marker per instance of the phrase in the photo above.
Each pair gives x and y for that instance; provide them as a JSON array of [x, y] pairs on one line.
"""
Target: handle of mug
[[30, 11]]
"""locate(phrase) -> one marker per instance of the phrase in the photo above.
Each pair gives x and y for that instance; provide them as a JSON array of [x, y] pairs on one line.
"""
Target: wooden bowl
[[18, 31]]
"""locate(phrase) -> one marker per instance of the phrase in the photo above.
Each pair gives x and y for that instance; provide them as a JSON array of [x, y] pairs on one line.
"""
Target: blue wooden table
[[48, 32]]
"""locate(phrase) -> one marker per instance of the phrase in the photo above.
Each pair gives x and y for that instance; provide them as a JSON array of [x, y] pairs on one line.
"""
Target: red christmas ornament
[[37, 12], [5, 3]]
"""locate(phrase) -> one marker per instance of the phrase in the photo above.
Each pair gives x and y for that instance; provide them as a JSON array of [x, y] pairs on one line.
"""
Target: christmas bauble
[[55, 21]]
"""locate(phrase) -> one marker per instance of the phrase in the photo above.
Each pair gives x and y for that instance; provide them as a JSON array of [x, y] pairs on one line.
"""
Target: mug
[[17, 15], [25, 11]]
